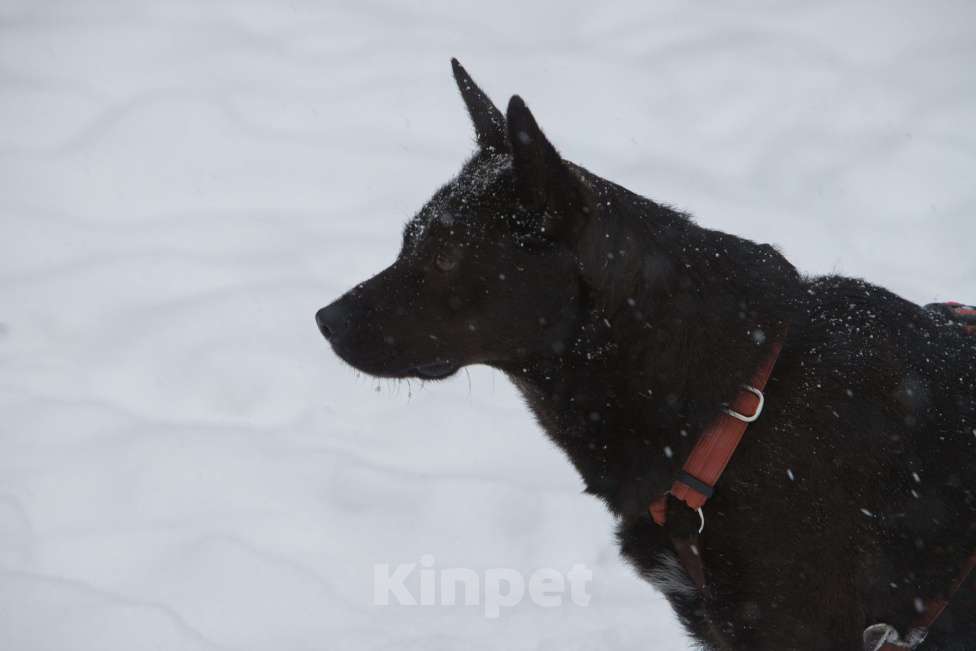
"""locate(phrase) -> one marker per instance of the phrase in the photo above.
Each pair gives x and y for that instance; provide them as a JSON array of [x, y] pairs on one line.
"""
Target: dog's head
[[487, 272]]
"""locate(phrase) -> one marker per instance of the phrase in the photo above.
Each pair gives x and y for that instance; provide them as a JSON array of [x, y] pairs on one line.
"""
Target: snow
[[183, 462]]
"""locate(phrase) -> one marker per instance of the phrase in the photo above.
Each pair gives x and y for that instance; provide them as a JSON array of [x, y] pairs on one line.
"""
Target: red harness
[[965, 313], [713, 451], [696, 481]]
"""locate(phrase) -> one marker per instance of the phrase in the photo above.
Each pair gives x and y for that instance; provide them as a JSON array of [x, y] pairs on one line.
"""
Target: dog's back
[[886, 389]]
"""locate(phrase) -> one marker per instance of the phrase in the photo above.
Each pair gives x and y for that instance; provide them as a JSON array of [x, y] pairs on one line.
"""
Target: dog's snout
[[332, 320]]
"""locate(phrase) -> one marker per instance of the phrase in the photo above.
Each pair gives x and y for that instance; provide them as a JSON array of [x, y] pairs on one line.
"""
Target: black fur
[[626, 326]]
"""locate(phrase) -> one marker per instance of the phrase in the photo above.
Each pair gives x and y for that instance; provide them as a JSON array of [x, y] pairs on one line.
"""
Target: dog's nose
[[332, 320]]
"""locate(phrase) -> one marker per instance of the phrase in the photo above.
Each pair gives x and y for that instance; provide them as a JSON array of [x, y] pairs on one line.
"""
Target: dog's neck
[[644, 375]]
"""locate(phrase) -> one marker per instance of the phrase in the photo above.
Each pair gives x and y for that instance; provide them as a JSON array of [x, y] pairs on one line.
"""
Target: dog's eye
[[445, 262]]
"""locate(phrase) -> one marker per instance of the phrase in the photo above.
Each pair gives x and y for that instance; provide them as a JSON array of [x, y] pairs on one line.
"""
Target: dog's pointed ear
[[534, 158], [543, 180], [489, 123]]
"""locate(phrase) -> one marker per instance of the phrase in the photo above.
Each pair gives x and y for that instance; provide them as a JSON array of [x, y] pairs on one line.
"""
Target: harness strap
[[695, 482], [933, 609], [966, 314], [715, 447]]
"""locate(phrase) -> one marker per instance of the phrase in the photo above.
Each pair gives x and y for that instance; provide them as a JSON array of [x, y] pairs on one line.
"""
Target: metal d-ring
[[748, 419]]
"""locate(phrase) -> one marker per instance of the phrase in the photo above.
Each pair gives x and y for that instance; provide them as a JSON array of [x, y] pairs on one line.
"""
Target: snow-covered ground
[[183, 462]]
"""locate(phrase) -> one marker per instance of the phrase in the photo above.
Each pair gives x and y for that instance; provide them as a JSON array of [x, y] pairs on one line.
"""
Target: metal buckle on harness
[[701, 515], [748, 419], [884, 637]]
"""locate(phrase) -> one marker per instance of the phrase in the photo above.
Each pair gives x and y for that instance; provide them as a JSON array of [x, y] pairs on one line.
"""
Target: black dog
[[850, 502]]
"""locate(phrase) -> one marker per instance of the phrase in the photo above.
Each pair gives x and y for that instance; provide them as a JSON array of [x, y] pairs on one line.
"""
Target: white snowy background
[[183, 462]]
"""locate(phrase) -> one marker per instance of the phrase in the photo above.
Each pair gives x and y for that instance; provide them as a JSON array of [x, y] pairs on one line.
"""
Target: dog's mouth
[[436, 371], [384, 367]]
